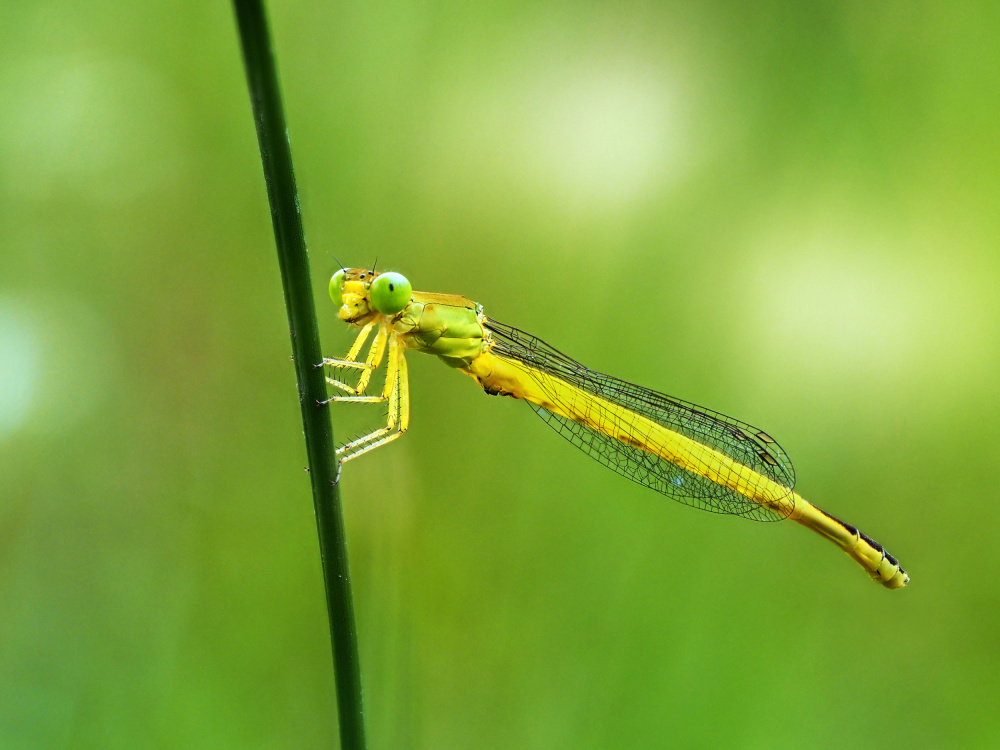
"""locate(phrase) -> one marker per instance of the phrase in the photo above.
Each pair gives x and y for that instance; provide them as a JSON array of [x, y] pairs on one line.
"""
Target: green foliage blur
[[785, 211]]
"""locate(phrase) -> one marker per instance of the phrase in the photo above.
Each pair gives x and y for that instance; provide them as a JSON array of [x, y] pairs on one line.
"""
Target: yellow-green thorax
[[451, 329]]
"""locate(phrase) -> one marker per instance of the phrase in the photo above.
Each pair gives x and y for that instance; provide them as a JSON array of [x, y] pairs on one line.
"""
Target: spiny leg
[[403, 423], [371, 363], [352, 353], [402, 413], [399, 414], [389, 393], [351, 358]]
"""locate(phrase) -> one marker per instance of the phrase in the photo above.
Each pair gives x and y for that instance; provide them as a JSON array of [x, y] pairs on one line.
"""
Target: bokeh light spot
[[55, 356], [603, 137], [108, 129], [18, 369], [572, 131]]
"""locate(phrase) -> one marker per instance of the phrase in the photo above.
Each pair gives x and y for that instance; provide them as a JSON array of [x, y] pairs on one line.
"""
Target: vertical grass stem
[[269, 118]]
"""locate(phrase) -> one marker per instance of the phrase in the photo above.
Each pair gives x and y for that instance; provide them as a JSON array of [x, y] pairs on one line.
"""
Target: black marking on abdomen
[[852, 529], [872, 542]]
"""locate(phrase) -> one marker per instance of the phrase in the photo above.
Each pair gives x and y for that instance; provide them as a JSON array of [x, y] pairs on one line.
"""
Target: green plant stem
[[276, 156]]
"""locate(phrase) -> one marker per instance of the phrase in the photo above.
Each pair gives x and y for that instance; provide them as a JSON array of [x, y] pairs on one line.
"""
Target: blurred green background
[[786, 211]]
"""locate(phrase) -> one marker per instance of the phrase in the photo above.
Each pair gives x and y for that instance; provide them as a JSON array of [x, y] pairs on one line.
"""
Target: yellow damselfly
[[694, 455]]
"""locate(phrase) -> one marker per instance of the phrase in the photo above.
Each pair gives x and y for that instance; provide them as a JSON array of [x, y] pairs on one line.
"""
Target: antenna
[[337, 260]]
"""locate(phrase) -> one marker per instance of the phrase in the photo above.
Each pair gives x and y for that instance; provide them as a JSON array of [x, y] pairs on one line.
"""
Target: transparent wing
[[738, 440]]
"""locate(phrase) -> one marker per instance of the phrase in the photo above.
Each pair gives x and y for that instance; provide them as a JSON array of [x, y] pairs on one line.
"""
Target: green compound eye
[[390, 293], [337, 286]]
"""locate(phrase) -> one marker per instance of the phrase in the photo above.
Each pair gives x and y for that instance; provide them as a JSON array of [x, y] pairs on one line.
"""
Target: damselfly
[[694, 455]]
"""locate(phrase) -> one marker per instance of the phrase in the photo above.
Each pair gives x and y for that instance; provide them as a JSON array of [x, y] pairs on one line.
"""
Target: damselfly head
[[363, 293]]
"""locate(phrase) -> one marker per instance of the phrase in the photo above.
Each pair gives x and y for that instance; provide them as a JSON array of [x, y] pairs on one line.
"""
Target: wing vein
[[630, 450]]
